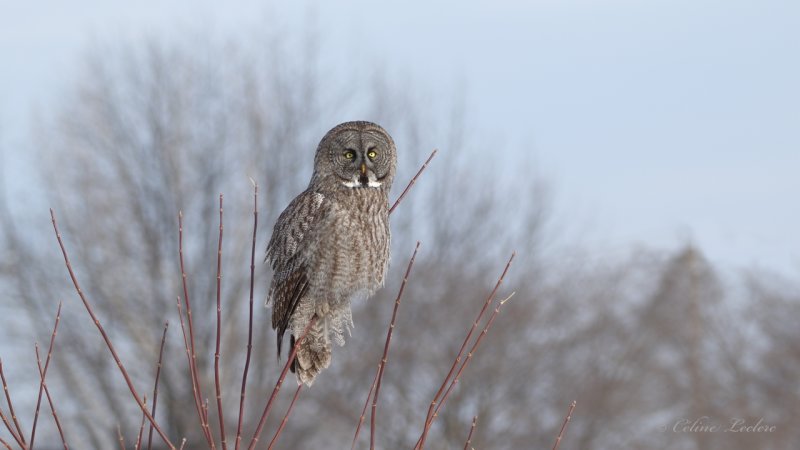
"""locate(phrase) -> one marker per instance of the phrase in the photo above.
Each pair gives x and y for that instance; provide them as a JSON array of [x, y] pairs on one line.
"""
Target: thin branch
[[50, 400], [183, 443], [11, 431], [413, 180], [366, 403], [385, 356], [439, 393], [19, 433], [277, 387], [44, 373], [155, 384], [102, 331], [285, 417], [197, 402], [197, 388], [463, 366], [121, 439], [471, 430], [250, 322], [5, 444], [217, 385], [141, 427], [564, 425]]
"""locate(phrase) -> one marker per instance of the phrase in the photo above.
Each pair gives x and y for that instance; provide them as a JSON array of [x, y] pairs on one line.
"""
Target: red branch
[[19, 436], [285, 417], [463, 366], [385, 356], [121, 439], [219, 321], [43, 373], [105, 336], [413, 180], [5, 444], [141, 427], [11, 430], [277, 388], [433, 406], [471, 430], [50, 399], [366, 403], [196, 388], [250, 323], [197, 402], [155, 384], [564, 425]]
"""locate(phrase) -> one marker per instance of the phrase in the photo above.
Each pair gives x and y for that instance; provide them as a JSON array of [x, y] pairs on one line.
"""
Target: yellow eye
[[349, 154], [372, 154]]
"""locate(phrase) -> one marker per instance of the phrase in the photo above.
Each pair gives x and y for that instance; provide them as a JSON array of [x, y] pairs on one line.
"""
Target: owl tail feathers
[[313, 355]]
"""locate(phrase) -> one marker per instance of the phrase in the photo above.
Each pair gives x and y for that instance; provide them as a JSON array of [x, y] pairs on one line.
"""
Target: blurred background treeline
[[642, 338]]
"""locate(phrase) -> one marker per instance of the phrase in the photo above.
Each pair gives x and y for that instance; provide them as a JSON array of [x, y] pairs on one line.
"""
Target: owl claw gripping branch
[[331, 244]]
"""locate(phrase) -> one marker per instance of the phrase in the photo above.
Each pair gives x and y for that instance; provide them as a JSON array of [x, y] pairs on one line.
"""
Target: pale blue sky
[[656, 121]]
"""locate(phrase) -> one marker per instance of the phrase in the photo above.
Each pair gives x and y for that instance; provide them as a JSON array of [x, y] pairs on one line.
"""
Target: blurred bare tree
[[153, 128]]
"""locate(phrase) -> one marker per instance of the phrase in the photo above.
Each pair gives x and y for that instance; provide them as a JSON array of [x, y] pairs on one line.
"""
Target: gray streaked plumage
[[331, 244]]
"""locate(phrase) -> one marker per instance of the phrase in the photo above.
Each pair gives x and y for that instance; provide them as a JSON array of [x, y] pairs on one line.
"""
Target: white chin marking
[[355, 184]]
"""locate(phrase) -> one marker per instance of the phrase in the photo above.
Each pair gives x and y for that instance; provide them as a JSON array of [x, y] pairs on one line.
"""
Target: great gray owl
[[331, 244]]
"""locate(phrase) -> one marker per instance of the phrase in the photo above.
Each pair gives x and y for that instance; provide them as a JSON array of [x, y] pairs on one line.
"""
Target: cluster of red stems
[[202, 406]]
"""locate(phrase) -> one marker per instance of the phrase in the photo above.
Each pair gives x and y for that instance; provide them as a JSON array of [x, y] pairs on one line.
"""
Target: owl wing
[[289, 252]]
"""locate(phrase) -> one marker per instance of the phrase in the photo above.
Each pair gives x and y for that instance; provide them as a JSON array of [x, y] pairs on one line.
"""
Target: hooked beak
[[363, 168]]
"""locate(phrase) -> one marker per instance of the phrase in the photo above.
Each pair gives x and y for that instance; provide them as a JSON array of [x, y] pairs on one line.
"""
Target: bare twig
[[19, 435], [217, 385], [155, 384], [366, 403], [471, 430], [285, 417], [11, 430], [277, 387], [141, 427], [102, 331], [121, 439], [413, 180], [5, 444], [197, 390], [50, 401], [250, 322], [463, 366], [44, 373], [439, 393], [197, 401], [183, 443], [385, 356], [564, 425]]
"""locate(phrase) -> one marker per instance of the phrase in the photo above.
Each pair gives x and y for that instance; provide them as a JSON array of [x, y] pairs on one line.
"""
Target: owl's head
[[355, 155]]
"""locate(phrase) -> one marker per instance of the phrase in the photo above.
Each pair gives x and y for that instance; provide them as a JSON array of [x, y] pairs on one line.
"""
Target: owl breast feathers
[[331, 244]]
